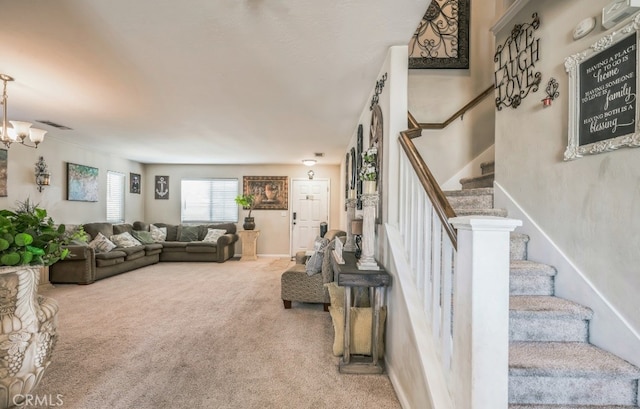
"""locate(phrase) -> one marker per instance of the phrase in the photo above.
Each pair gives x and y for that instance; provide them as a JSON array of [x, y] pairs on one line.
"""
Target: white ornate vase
[[369, 187], [28, 325]]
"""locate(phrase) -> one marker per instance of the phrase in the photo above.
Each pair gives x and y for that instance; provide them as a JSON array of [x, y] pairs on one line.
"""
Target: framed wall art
[[162, 187], [270, 192], [82, 183], [603, 82], [134, 183], [442, 37]]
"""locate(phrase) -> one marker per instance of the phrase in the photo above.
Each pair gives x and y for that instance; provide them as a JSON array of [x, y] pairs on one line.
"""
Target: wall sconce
[[311, 173], [552, 92], [42, 174]]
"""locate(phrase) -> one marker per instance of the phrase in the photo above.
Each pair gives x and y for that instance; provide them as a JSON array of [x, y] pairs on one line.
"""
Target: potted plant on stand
[[29, 241], [247, 202], [369, 171]]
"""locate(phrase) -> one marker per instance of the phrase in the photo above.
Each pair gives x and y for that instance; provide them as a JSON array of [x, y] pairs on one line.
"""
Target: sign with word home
[[603, 84]]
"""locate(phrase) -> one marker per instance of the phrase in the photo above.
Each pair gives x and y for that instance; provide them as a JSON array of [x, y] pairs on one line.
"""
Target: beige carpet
[[199, 335]]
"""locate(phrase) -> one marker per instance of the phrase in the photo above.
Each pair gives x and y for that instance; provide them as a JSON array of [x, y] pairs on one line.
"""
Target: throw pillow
[[101, 244], [158, 233], [143, 237], [314, 264], [125, 240], [336, 294], [213, 235], [188, 233], [360, 330]]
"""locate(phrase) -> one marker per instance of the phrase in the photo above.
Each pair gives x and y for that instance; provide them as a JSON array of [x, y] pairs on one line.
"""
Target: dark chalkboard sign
[[607, 93]]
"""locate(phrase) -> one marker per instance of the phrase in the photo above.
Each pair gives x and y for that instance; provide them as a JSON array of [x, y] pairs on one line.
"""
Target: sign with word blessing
[[603, 110]]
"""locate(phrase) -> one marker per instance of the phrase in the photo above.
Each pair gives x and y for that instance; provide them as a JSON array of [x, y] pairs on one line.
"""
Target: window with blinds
[[115, 197], [209, 200]]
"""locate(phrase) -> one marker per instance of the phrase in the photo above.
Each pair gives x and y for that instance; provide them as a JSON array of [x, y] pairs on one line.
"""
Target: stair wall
[[609, 330]]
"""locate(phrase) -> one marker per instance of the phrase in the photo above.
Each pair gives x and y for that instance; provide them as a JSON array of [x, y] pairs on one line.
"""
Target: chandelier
[[19, 130]]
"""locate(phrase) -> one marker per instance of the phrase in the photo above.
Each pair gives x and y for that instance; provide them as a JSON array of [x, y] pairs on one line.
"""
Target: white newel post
[[369, 206], [349, 244], [481, 314]]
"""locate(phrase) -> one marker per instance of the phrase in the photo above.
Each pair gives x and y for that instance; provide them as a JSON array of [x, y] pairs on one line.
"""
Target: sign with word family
[[603, 110]]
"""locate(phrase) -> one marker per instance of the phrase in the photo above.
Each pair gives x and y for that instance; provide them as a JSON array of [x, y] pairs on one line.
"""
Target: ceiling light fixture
[[20, 129], [309, 162]]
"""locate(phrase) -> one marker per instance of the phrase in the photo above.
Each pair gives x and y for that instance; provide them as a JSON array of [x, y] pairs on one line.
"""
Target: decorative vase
[[369, 187], [249, 223], [27, 335]]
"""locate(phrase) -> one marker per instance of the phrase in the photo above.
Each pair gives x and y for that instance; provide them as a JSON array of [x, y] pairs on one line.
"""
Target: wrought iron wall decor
[[552, 92], [360, 149], [515, 74], [442, 37], [378, 91]]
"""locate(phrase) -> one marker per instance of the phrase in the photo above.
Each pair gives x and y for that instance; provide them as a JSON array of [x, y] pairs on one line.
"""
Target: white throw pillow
[[125, 240], [158, 233], [213, 235], [101, 244]]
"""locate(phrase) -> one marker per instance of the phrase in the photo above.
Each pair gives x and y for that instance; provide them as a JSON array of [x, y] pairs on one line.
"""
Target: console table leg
[[346, 354]]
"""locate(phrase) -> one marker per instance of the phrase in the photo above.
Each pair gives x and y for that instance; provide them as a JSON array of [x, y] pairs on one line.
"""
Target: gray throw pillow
[[314, 264], [188, 233], [143, 237]]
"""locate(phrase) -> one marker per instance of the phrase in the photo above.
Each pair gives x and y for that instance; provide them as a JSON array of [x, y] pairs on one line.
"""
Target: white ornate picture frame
[[603, 83]]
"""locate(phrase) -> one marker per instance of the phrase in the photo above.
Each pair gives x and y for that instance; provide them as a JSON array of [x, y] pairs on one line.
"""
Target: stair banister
[[459, 113]]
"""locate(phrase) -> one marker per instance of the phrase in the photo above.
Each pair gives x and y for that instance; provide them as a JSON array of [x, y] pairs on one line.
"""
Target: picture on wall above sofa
[[82, 183], [134, 183], [269, 192]]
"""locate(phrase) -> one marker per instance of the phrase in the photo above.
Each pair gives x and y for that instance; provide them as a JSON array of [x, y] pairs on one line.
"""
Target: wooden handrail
[[459, 113], [440, 203]]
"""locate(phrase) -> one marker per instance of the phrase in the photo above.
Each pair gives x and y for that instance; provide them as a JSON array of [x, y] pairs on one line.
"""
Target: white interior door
[[309, 208]]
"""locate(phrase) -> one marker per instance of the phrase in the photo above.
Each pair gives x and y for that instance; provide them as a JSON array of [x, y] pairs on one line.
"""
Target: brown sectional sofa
[[85, 265]]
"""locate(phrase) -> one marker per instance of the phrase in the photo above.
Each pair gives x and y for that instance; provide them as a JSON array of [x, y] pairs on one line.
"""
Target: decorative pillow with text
[[125, 240], [101, 244]]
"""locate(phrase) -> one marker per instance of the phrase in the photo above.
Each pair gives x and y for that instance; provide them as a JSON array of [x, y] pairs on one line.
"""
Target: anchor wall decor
[[162, 187]]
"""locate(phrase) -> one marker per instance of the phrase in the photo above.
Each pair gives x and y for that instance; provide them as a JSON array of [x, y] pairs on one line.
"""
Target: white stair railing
[[463, 284]]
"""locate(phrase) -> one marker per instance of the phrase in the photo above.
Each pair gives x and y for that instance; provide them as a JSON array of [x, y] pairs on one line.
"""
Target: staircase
[[552, 365]]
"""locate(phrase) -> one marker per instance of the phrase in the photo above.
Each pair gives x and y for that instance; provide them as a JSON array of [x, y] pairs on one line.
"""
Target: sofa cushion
[[131, 250], [314, 264], [93, 229], [153, 248], [122, 228], [143, 237], [141, 226], [101, 244], [188, 233], [201, 247], [109, 259], [213, 235], [125, 240], [159, 234]]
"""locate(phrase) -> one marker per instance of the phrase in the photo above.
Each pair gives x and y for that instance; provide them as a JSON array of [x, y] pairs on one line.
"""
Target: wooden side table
[[249, 240], [349, 276]]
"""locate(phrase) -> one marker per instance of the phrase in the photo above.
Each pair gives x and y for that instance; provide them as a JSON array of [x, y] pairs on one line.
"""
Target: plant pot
[[249, 223], [369, 187]]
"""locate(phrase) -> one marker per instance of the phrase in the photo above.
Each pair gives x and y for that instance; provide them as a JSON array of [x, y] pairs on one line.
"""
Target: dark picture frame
[[161, 188], [603, 82], [82, 183], [269, 192], [442, 37], [134, 183]]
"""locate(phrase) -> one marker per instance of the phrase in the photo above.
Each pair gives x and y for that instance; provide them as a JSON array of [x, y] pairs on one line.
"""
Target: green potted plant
[[247, 202], [28, 236]]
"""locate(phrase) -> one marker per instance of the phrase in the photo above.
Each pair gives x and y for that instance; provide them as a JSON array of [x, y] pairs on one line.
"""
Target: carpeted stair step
[[530, 278], [488, 167], [547, 318], [482, 212], [569, 373], [518, 246], [478, 181], [481, 198]]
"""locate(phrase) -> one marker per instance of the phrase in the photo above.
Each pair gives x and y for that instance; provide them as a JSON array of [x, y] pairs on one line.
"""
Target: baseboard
[[397, 386], [608, 329]]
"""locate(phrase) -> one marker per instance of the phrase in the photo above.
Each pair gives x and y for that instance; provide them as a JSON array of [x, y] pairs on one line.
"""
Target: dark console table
[[349, 276]]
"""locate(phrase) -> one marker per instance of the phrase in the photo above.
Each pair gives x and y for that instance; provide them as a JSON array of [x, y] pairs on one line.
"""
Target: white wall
[[274, 225], [587, 207], [21, 181], [435, 95]]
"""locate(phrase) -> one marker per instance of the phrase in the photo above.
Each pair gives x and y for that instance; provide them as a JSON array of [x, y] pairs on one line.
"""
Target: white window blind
[[115, 197], [209, 200]]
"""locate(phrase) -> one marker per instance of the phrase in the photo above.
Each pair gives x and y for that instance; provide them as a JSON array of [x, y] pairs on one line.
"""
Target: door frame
[[328, 180]]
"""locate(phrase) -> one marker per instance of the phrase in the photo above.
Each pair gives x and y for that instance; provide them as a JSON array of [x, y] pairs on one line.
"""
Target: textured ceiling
[[200, 81]]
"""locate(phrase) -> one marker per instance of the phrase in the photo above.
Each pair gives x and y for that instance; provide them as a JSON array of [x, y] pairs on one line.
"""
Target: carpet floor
[[199, 335]]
